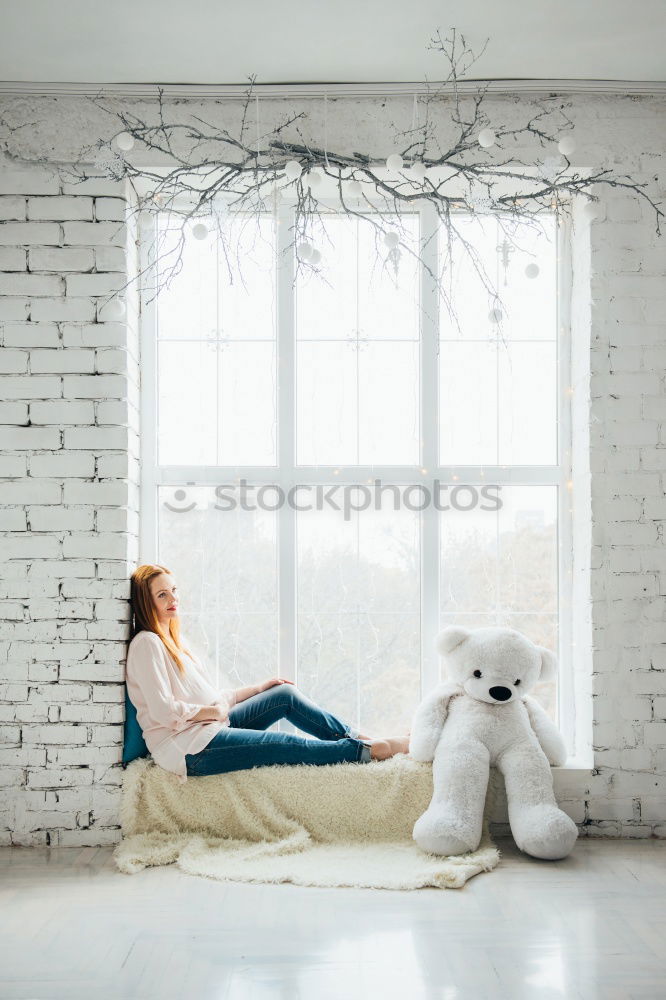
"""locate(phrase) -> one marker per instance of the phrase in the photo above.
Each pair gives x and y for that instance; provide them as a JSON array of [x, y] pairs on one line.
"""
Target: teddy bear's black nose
[[500, 693]]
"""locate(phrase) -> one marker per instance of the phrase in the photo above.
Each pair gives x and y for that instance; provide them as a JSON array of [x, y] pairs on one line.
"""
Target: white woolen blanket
[[330, 825]]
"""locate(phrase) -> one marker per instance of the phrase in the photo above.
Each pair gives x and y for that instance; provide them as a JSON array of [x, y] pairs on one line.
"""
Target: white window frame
[[286, 473]]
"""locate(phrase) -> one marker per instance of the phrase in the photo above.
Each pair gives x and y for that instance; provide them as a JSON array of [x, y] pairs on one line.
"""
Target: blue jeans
[[245, 744]]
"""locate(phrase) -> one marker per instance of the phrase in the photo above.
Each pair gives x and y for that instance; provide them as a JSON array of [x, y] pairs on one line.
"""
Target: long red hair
[[144, 615]]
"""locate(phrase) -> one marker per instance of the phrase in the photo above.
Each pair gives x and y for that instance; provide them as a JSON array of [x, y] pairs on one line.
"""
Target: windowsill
[[581, 764], [572, 780], [574, 766], [575, 774], [571, 785]]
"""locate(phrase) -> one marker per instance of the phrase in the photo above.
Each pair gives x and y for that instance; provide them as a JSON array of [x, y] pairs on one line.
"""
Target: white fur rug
[[336, 825]]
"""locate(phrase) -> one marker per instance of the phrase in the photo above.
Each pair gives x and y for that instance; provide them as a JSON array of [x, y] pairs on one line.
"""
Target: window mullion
[[286, 443], [565, 689], [429, 437], [212, 475]]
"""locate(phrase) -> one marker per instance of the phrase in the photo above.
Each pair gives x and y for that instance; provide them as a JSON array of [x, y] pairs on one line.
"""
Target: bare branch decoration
[[515, 174]]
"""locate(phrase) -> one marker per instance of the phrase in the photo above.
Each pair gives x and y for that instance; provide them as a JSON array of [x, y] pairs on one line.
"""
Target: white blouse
[[166, 700]]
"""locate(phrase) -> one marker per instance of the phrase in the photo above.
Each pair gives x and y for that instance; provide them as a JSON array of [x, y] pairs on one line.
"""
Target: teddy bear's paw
[[440, 835], [544, 831]]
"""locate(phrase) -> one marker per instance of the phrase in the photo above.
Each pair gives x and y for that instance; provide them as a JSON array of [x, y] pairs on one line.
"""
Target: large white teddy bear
[[481, 716]]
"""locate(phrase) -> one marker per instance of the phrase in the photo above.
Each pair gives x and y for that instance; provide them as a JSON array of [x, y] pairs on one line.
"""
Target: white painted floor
[[593, 926]]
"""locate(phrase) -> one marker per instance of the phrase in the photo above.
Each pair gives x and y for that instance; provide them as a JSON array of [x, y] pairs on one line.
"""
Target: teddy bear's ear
[[548, 665], [450, 638]]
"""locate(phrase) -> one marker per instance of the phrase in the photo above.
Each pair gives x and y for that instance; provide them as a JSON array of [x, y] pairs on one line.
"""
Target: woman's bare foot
[[366, 736], [388, 747]]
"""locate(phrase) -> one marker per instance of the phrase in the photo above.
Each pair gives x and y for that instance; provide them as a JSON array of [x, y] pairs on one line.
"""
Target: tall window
[[440, 434]]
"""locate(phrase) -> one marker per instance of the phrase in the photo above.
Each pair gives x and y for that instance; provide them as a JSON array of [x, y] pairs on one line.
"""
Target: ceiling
[[315, 41]]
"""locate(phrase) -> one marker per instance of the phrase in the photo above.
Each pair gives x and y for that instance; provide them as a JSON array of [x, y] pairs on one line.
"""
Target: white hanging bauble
[[355, 188], [487, 138], [200, 231], [394, 162], [315, 258], [305, 251], [495, 316], [391, 240], [314, 178], [567, 145], [418, 170], [124, 141], [293, 169], [532, 270], [112, 310]]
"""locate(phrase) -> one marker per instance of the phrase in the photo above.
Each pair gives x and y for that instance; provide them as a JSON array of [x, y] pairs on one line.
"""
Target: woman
[[193, 728]]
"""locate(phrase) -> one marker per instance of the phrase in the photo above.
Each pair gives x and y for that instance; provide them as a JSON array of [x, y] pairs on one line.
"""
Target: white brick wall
[[68, 419], [69, 496], [628, 586]]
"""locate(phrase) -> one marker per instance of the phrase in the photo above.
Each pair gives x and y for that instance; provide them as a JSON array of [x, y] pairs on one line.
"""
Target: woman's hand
[[242, 694], [273, 682], [222, 712], [211, 713]]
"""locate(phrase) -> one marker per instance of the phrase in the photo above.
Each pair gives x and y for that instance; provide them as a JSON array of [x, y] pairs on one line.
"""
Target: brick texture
[[69, 387]]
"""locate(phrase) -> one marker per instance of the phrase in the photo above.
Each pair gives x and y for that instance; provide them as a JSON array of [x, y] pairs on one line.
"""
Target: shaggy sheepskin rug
[[331, 825]]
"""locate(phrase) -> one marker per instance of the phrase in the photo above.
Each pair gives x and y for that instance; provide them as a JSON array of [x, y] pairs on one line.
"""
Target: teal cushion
[[134, 744]]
